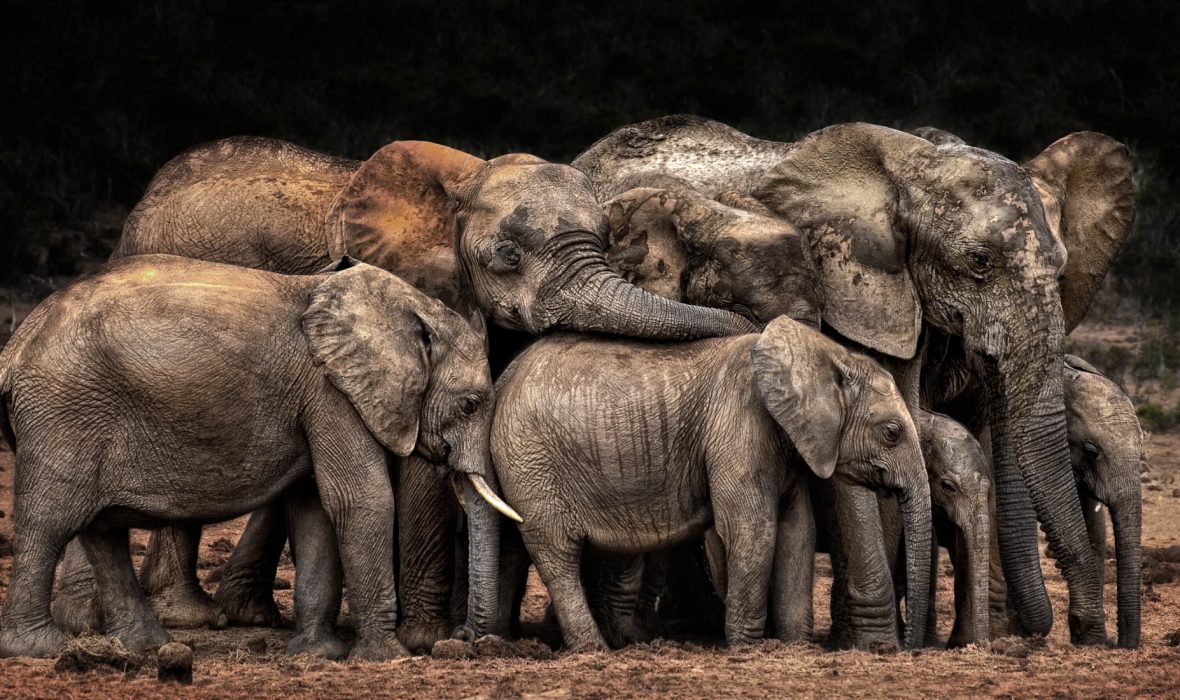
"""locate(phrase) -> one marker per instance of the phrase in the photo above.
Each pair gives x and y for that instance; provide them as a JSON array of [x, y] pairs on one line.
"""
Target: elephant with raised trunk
[[630, 447], [515, 238], [124, 397], [907, 233]]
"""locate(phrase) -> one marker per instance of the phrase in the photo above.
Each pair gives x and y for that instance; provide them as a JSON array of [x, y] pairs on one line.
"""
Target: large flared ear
[[401, 199], [371, 333], [845, 188], [1084, 180], [808, 386]]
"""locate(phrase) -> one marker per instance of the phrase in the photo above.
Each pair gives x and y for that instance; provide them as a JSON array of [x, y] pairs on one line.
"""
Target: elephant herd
[[749, 351]]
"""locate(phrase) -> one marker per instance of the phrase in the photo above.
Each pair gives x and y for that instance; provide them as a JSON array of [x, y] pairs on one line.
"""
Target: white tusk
[[490, 496]]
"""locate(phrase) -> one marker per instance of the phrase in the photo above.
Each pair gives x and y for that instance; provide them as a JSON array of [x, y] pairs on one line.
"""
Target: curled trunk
[[590, 296], [916, 518], [1126, 516]]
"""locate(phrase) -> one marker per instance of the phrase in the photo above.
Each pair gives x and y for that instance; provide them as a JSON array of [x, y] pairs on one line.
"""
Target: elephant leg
[[514, 576], [75, 599], [169, 577], [246, 592], [1096, 529], [864, 607], [617, 580], [651, 589], [794, 569], [26, 626], [426, 553], [557, 554], [318, 575], [125, 609], [352, 478]]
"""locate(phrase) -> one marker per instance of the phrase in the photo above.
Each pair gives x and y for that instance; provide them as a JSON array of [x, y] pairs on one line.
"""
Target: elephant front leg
[[124, 607], [426, 515], [169, 578], [318, 575], [354, 487], [246, 592], [794, 569], [864, 611]]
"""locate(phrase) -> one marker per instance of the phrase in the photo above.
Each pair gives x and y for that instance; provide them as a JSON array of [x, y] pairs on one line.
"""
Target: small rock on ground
[[174, 662]]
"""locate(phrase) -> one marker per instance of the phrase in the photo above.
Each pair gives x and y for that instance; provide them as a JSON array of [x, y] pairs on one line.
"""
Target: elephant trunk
[[588, 295], [978, 540], [483, 556], [1126, 515], [1035, 481], [914, 500]]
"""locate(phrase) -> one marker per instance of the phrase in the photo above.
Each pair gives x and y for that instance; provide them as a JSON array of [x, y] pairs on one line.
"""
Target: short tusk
[[490, 496]]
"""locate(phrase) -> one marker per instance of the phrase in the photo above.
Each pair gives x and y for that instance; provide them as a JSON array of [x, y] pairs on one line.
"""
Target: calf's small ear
[[808, 386], [363, 326]]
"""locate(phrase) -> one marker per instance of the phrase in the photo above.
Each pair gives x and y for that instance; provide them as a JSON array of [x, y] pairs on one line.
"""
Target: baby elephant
[[1106, 444], [161, 389], [632, 446]]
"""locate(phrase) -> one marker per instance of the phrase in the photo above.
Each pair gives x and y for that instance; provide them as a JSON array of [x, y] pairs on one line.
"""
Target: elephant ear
[[400, 202], [807, 384], [844, 188], [643, 244], [1084, 181], [369, 330]]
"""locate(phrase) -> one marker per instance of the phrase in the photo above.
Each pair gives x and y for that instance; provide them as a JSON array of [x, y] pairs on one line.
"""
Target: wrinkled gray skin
[[906, 233], [1107, 446], [630, 447], [960, 493], [516, 237], [114, 395]]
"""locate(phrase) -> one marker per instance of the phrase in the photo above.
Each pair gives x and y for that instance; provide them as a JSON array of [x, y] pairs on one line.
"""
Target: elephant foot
[[39, 642], [245, 604], [587, 646], [379, 649], [319, 642], [420, 636], [75, 608], [185, 606], [1087, 632], [623, 633], [863, 640], [142, 636]]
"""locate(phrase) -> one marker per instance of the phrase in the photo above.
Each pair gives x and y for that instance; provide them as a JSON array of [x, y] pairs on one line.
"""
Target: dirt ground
[[250, 662]]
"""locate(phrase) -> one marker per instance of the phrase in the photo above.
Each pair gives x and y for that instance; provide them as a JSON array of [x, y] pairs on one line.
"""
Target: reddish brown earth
[[230, 663]]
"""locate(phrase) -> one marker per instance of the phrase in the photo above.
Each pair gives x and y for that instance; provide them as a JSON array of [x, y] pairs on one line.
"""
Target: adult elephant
[[904, 233], [516, 238]]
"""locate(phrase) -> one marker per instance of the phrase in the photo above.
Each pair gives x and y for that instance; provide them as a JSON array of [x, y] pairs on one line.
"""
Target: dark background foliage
[[97, 95]]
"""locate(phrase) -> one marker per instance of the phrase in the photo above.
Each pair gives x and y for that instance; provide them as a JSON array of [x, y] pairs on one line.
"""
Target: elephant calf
[[1106, 444], [631, 447], [161, 389]]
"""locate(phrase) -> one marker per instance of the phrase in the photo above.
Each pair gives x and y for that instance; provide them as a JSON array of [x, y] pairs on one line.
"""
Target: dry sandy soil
[[250, 662]]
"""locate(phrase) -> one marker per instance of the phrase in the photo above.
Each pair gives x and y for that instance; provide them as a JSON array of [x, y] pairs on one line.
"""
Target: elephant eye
[[948, 486], [891, 433], [507, 255], [469, 405], [980, 261], [1090, 449]]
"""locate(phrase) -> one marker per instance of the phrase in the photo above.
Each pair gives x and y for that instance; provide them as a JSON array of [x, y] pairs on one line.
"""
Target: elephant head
[[687, 247], [418, 376], [1007, 257], [1106, 443], [959, 492], [523, 236], [846, 418]]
